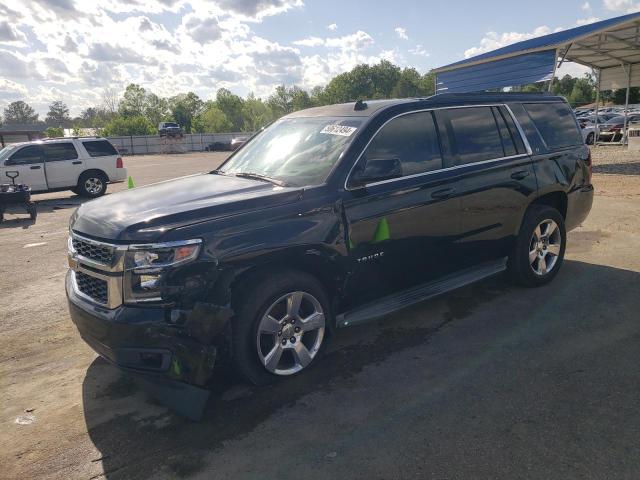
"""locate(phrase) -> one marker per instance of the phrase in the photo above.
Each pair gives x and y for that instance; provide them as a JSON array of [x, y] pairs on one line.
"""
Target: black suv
[[328, 218]]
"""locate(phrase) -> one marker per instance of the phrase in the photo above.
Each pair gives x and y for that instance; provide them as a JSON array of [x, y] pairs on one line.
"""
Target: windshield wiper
[[259, 176]]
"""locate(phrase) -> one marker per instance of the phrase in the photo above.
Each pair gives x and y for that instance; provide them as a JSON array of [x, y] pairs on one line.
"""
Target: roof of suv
[[443, 99]]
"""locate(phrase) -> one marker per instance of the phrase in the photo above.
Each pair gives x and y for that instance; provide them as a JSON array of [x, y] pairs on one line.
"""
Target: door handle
[[519, 175], [35, 167], [76, 163], [444, 193]]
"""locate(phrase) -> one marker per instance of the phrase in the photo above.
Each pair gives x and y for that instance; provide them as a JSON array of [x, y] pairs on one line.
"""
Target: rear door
[[103, 156], [401, 231], [496, 178], [28, 161], [63, 164]]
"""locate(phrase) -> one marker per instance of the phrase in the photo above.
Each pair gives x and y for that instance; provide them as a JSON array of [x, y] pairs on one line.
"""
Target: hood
[[146, 213]]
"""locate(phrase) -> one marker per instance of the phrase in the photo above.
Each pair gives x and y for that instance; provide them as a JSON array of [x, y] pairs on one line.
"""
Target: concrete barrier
[[189, 142]]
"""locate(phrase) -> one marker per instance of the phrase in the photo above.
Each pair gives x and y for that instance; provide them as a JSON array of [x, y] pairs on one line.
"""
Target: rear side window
[[472, 135], [56, 152], [410, 138], [26, 156], [99, 148], [556, 124]]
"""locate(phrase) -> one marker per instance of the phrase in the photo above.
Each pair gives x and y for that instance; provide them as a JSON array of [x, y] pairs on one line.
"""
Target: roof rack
[[70, 138]]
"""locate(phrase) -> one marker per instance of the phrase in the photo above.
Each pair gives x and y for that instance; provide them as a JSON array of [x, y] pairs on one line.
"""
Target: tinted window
[[472, 134], [556, 124], [508, 146], [56, 152], [99, 148], [412, 139], [26, 155]]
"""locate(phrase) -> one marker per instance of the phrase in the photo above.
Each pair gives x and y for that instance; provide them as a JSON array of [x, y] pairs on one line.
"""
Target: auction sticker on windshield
[[342, 130]]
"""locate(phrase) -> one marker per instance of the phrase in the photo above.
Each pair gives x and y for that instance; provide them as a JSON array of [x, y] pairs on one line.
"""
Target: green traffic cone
[[130, 181], [382, 231]]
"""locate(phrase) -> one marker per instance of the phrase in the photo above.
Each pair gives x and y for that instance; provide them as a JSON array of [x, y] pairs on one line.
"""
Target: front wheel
[[92, 184], [539, 249], [280, 326]]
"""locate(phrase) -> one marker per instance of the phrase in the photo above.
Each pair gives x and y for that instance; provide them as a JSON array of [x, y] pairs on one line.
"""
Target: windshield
[[295, 151], [6, 151]]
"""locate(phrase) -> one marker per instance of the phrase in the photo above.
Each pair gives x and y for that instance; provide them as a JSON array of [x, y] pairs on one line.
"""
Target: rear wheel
[[92, 184], [590, 138], [280, 326], [539, 250]]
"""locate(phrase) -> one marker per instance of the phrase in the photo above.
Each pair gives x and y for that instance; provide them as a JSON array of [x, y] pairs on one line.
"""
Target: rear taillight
[[119, 163]]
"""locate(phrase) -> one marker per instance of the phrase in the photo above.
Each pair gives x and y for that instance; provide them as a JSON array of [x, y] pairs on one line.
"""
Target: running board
[[406, 298]]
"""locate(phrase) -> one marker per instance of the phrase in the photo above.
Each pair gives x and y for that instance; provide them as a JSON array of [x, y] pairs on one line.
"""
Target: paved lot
[[492, 381]]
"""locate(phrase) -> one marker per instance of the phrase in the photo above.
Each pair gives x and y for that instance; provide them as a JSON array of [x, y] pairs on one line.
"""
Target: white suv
[[82, 165]]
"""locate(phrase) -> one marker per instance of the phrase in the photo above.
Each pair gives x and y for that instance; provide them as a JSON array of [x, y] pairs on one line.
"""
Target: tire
[[538, 252], [255, 355], [92, 184], [590, 138]]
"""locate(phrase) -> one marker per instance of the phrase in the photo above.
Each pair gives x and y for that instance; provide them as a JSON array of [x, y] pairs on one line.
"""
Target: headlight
[[145, 266]]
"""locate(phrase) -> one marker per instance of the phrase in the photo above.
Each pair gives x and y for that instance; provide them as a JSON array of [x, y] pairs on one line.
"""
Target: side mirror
[[377, 170]]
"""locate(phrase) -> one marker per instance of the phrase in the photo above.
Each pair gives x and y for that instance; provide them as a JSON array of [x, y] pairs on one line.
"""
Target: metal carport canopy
[[610, 46]]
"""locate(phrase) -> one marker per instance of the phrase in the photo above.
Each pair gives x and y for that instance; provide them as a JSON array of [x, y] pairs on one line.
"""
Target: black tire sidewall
[[82, 191], [251, 304], [519, 260]]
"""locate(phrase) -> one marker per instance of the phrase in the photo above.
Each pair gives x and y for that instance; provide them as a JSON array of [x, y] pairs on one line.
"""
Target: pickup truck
[[325, 219], [84, 165]]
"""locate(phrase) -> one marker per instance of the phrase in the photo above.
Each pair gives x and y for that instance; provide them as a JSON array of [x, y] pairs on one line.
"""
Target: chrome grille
[[93, 287], [98, 253]]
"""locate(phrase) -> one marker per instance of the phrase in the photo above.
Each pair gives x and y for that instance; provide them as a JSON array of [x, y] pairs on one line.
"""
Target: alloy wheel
[[290, 333], [93, 185], [545, 246]]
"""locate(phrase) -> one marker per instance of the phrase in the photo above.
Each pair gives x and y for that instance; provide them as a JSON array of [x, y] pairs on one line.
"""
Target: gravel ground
[[491, 381], [614, 160]]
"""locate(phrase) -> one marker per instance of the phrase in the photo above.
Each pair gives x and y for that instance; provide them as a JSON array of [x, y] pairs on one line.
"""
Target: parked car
[[328, 218], [588, 133], [84, 165], [237, 142], [218, 147], [169, 129], [612, 130]]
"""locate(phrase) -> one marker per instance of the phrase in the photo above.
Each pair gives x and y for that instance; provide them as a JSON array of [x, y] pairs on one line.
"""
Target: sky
[[72, 50]]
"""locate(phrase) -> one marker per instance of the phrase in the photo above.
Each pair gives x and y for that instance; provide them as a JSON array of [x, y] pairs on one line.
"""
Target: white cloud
[[586, 6], [493, 40], [419, 50], [333, 27], [586, 21], [402, 33], [309, 42], [623, 6]]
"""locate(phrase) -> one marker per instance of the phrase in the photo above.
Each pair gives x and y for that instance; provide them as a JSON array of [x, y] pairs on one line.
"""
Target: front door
[[62, 164], [28, 161], [401, 231]]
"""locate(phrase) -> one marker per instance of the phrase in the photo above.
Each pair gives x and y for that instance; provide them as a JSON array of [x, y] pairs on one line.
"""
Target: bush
[[54, 132], [128, 126]]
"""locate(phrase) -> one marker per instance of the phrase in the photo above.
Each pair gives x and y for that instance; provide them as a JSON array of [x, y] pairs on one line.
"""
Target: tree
[[156, 109], [133, 101], [184, 108], [619, 95], [412, 84], [255, 114], [20, 112], [231, 105], [109, 101], [128, 126], [212, 120], [58, 114], [52, 132]]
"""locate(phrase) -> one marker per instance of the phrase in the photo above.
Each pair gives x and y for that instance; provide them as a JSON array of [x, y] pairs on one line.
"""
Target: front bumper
[[173, 345]]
